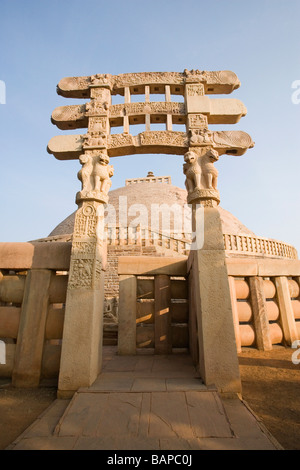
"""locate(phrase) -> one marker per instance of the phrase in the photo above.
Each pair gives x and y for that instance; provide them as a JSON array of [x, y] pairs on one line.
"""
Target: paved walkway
[[146, 403]]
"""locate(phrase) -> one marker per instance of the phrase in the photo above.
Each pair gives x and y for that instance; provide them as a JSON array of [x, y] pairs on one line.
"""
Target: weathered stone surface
[[216, 82], [70, 147], [218, 111], [127, 315], [81, 355], [20, 255], [9, 322], [162, 322], [286, 310], [147, 266], [30, 341], [12, 288], [259, 309], [218, 362]]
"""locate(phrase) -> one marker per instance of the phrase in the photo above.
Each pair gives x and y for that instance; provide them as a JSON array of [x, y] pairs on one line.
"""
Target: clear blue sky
[[44, 41]]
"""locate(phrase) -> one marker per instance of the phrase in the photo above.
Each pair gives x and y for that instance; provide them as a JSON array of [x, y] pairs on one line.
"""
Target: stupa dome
[[152, 192]]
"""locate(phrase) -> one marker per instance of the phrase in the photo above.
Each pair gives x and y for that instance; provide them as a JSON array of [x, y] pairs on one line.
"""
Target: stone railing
[[239, 245], [257, 246], [265, 298], [153, 305], [33, 287], [146, 237]]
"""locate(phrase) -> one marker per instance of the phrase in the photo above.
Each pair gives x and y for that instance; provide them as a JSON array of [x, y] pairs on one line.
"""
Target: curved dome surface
[[152, 195]]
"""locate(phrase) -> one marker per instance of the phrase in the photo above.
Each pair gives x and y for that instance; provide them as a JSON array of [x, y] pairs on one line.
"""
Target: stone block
[[152, 265], [241, 267], [218, 362], [260, 317], [145, 336], [127, 315], [179, 289], [12, 288], [145, 289], [58, 289], [145, 312], [6, 370], [244, 311], [286, 311], [81, 355], [54, 323], [32, 255], [9, 322], [51, 360], [31, 334], [162, 322], [242, 289], [179, 312]]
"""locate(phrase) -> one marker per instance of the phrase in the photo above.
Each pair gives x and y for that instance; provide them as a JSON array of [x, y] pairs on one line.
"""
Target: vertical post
[[81, 355], [126, 118], [31, 335], [168, 100], [218, 361], [147, 115], [259, 309], [127, 315], [286, 310], [236, 322], [194, 302], [162, 320]]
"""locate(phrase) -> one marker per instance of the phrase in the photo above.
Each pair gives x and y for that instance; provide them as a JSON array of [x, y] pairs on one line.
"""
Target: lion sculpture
[[200, 171]]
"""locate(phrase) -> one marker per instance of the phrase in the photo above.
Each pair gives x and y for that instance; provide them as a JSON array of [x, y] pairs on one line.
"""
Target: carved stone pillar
[[81, 357], [218, 361]]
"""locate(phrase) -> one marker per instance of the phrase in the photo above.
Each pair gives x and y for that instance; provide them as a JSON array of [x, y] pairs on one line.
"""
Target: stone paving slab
[[147, 403], [191, 420]]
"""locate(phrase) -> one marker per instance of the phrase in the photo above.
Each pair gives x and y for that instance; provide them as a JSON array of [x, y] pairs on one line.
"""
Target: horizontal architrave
[[215, 82], [218, 111], [70, 147], [152, 265]]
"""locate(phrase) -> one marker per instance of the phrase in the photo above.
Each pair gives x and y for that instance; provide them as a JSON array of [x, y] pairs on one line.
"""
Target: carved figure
[[95, 174], [200, 171], [84, 175], [94, 139], [100, 174], [201, 136], [106, 183]]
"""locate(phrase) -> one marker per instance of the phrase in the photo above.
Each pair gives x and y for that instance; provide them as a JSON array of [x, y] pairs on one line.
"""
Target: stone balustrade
[[139, 236], [265, 298], [235, 245], [258, 246], [33, 286]]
